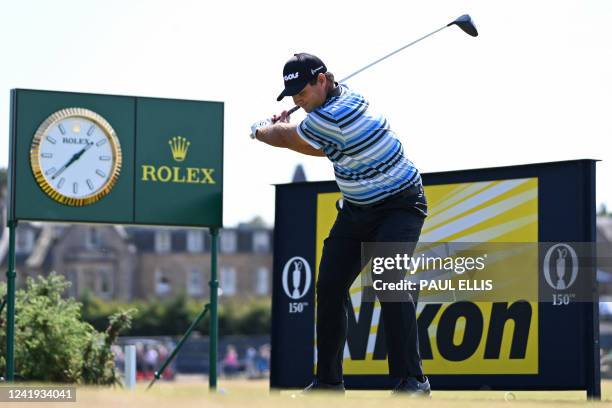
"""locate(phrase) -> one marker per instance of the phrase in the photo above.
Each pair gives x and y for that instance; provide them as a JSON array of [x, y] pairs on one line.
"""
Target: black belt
[[407, 192]]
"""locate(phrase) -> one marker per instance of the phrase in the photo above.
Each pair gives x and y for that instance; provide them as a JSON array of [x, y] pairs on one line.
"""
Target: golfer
[[382, 201]]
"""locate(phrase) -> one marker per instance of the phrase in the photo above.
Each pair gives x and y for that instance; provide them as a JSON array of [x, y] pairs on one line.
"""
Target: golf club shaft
[[295, 108], [390, 54]]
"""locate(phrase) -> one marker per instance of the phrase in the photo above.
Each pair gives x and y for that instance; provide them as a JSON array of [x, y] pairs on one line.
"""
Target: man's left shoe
[[317, 387], [412, 387]]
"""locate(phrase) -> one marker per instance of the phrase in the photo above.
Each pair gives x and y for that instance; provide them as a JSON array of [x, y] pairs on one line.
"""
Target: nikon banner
[[504, 274], [115, 159]]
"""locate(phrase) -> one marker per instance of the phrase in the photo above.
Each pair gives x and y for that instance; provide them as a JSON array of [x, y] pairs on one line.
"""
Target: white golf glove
[[260, 124]]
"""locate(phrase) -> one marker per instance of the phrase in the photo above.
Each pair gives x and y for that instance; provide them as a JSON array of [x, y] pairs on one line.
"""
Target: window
[[229, 242], [163, 286], [89, 280], [195, 282], [261, 280], [92, 238], [163, 241], [72, 277], [228, 280], [261, 242], [24, 242], [105, 283], [195, 241]]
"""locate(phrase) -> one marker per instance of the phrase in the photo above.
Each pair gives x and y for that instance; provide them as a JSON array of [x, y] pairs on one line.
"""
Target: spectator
[[140, 359], [119, 357], [263, 360], [251, 359], [231, 365], [151, 356]]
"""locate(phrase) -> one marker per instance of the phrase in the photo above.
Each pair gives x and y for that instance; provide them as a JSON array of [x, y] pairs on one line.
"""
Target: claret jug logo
[[296, 277], [179, 146], [560, 266]]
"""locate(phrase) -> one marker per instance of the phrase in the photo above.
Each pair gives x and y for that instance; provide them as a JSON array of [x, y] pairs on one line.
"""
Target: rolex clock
[[75, 156]]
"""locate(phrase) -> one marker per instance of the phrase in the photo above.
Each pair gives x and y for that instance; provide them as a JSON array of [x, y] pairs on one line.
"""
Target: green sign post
[[77, 157]]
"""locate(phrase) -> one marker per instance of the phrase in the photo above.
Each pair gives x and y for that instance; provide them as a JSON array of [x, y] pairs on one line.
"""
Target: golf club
[[464, 22]]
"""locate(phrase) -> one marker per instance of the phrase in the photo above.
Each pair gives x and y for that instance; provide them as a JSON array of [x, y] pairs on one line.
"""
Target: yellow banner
[[501, 336]]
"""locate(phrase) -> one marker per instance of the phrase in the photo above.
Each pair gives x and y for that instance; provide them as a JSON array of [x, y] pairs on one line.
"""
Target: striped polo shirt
[[369, 161]]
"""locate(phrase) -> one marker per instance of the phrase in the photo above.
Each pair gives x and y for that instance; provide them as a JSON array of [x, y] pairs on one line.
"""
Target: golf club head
[[466, 24]]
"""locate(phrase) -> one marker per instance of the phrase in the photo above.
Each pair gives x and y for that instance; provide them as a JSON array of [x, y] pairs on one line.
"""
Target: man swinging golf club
[[383, 201]]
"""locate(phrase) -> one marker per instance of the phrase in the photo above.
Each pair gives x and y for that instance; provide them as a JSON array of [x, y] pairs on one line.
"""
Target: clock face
[[75, 156]]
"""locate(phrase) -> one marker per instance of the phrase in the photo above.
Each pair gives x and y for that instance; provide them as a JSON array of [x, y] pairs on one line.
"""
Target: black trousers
[[398, 219]]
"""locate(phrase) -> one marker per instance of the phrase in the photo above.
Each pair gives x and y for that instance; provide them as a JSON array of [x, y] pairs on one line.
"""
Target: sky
[[534, 86]]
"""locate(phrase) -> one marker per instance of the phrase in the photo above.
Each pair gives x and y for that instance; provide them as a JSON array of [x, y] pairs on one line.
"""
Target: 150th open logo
[[560, 269], [297, 278]]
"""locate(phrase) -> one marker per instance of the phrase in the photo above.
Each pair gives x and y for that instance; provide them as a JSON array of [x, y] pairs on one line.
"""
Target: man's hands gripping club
[[258, 125], [283, 118], [278, 132]]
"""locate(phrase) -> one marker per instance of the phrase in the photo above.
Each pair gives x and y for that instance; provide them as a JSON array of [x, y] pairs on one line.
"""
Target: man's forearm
[[285, 135], [277, 135]]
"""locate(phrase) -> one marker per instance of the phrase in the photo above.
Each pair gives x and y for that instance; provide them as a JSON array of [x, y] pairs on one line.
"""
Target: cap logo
[[291, 76], [314, 71]]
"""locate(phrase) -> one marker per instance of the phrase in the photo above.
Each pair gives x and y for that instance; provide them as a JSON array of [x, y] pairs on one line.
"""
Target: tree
[[257, 222], [53, 343]]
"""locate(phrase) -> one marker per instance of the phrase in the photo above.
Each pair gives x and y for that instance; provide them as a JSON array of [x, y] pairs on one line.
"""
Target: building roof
[[299, 175], [137, 238], [144, 237], [42, 253]]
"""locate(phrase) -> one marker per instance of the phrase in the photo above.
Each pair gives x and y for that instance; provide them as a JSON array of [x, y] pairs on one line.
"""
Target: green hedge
[[172, 317], [52, 343]]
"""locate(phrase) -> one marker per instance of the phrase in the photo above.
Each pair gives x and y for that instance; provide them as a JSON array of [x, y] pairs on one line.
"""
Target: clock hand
[[74, 158], [79, 154]]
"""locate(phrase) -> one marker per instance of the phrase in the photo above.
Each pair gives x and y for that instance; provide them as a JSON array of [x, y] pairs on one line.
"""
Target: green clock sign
[[115, 159]]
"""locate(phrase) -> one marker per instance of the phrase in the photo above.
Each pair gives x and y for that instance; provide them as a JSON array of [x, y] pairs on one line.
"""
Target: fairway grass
[[193, 392]]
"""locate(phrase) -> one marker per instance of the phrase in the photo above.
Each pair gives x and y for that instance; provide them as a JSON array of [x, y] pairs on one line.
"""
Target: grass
[[193, 392]]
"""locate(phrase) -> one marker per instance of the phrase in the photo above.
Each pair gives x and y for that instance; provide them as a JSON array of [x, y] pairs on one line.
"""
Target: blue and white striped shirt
[[369, 161]]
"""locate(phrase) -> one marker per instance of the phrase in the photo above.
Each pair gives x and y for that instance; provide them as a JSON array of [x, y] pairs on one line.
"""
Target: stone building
[[174, 261], [127, 263]]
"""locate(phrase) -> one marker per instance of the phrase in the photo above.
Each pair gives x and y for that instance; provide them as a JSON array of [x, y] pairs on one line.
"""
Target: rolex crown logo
[[179, 146]]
